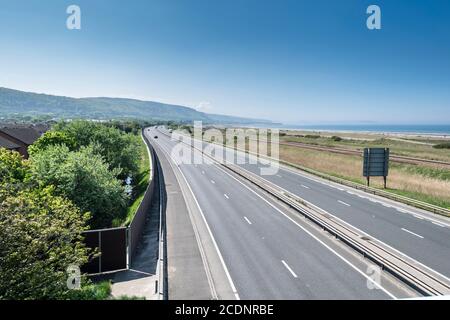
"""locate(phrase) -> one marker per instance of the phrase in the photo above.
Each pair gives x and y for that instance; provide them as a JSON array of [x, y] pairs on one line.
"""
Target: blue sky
[[289, 61]]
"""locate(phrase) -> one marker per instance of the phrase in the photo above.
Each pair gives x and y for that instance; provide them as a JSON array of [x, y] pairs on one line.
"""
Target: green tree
[[120, 150], [85, 179], [51, 138], [40, 236], [12, 166]]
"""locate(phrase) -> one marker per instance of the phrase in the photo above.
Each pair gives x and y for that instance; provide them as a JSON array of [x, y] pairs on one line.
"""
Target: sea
[[434, 130]]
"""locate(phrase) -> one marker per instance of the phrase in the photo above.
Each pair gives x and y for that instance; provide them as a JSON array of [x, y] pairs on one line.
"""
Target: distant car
[[156, 137]]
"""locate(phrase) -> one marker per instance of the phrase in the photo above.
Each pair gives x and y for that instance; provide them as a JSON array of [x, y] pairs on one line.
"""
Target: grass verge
[[140, 187], [143, 181]]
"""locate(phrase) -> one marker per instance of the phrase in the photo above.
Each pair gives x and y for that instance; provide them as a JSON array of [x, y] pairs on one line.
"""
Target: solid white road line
[[248, 221], [420, 218], [306, 187], [415, 234], [289, 268], [224, 266], [344, 203], [440, 225], [226, 196]]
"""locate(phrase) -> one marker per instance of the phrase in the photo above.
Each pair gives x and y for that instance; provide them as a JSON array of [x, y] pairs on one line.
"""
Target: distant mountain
[[14, 102]]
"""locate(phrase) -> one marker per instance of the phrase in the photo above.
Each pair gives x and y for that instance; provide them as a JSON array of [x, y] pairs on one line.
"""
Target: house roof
[[27, 135], [5, 143]]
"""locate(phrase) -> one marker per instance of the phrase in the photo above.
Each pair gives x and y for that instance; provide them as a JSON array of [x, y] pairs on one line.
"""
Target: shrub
[[336, 138], [51, 138], [85, 179], [40, 236], [118, 149], [91, 291], [443, 145], [12, 166]]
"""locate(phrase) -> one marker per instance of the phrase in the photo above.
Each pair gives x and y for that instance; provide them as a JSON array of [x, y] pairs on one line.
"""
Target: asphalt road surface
[[420, 235], [268, 254]]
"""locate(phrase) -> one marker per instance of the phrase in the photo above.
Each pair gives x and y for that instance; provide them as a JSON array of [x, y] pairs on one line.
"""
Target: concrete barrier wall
[[138, 223]]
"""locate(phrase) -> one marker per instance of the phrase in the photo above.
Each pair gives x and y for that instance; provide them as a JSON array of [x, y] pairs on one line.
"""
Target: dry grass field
[[429, 184]]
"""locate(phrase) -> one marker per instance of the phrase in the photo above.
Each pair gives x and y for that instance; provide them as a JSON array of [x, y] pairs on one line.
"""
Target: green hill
[[14, 103]]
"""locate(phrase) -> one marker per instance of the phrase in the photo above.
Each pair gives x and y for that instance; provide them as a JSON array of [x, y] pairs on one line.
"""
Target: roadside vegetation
[[443, 145], [80, 175], [141, 182]]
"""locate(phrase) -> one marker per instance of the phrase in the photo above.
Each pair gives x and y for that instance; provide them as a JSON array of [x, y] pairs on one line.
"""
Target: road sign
[[376, 163]]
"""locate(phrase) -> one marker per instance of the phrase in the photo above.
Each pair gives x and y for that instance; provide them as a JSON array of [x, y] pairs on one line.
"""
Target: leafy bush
[[40, 236], [51, 138], [90, 291], [12, 166], [85, 179], [312, 136], [118, 149], [443, 145]]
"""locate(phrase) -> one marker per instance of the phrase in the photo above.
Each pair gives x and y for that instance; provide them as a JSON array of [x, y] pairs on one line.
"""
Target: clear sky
[[291, 61]]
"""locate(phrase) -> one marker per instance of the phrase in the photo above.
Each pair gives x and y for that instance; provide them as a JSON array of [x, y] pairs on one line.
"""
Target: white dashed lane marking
[[289, 268], [414, 234], [344, 203]]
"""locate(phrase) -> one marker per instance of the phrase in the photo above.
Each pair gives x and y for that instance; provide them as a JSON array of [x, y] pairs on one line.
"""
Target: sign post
[[376, 164]]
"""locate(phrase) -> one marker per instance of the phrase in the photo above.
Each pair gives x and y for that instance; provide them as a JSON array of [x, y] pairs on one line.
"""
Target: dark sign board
[[376, 163]]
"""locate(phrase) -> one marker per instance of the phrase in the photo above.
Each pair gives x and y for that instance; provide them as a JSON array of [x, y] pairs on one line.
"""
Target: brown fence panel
[[92, 241], [113, 249], [112, 246]]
